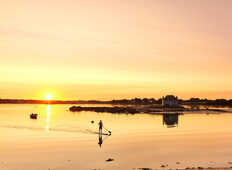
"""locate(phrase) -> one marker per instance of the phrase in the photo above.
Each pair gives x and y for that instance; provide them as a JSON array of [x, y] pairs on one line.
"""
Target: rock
[[109, 160], [178, 163], [92, 121], [200, 167], [162, 166]]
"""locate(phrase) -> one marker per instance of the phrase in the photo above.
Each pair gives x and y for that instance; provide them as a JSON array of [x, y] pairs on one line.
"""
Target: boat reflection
[[171, 119]]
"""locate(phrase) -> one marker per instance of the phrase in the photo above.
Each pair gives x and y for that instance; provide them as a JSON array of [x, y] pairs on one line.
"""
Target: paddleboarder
[[100, 126]]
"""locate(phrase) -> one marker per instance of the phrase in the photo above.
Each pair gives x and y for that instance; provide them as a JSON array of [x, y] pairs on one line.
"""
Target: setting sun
[[48, 97]]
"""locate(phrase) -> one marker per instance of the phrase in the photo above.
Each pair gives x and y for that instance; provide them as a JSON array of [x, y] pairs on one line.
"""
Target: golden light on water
[[48, 117]]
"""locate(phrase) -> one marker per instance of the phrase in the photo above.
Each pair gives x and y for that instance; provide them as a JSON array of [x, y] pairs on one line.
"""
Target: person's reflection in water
[[100, 141]]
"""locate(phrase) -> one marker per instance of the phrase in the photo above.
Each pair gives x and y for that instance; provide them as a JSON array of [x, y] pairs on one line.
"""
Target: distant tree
[[145, 101], [152, 100], [159, 101], [195, 100], [138, 101]]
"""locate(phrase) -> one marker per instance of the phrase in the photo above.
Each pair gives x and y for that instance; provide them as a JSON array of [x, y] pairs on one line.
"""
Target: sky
[[114, 49]]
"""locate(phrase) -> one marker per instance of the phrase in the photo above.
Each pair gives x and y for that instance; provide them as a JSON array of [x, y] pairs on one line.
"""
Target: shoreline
[[143, 109], [194, 103]]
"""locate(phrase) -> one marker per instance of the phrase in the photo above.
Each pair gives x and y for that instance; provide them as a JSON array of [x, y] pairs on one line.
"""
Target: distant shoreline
[[193, 102], [25, 101]]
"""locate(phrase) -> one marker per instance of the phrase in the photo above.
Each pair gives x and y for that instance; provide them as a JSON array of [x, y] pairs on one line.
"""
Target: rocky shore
[[115, 109], [152, 109]]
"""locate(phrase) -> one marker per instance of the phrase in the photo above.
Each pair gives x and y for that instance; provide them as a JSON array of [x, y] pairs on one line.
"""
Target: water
[[62, 140]]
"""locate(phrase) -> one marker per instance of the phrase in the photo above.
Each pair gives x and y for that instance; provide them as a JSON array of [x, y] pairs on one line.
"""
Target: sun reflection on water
[[48, 112]]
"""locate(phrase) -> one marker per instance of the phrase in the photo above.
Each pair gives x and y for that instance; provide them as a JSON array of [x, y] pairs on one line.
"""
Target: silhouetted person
[[100, 141], [100, 126]]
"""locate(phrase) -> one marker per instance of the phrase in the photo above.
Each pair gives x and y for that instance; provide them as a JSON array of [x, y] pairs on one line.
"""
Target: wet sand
[[220, 168], [199, 168]]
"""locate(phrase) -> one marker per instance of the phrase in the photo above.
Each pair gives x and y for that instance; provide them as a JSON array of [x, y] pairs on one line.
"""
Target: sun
[[48, 97]]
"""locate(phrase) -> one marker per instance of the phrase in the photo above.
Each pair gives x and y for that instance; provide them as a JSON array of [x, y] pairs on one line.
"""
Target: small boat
[[33, 116]]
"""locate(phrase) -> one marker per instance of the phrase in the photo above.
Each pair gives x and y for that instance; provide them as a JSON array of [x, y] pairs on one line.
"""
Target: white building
[[170, 101]]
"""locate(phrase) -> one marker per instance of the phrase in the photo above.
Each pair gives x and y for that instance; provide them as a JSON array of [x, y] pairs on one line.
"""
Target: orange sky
[[109, 49]]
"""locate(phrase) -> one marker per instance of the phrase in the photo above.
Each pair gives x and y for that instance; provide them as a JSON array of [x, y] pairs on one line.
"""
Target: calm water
[[61, 140]]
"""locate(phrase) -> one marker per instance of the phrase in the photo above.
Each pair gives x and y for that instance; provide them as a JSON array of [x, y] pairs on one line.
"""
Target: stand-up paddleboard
[[101, 127], [107, 134], [98, 133]]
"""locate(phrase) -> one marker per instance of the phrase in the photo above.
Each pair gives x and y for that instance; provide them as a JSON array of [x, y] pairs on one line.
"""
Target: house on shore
[[170, 101]]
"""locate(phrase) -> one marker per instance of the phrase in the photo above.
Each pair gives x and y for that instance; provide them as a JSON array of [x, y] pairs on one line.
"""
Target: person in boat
[[100, 126], [33, 115]]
